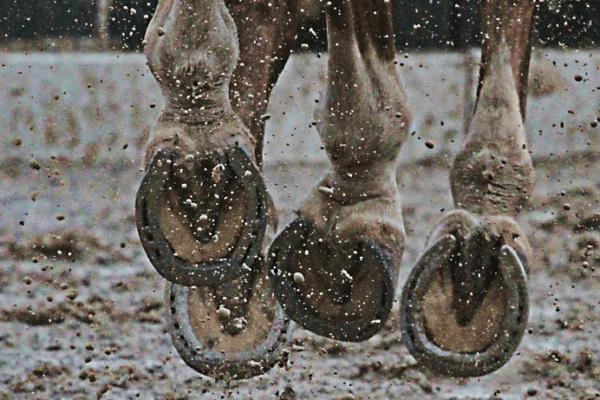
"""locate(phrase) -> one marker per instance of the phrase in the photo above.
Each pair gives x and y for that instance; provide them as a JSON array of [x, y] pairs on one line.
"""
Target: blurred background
[[101, 25], [50, 40]]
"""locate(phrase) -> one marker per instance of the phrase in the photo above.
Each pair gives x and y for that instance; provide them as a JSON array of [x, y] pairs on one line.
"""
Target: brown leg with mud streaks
[[267, 31], [465, 305], [202, 207], [335, 267]]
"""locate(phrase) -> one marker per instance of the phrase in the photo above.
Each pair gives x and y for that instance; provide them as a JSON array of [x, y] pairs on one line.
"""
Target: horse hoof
[[339, 291], [202, 339], [202, 219], [431, 329]]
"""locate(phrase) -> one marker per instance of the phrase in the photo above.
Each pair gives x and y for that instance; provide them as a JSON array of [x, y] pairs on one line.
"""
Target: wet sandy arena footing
[[82, 310]]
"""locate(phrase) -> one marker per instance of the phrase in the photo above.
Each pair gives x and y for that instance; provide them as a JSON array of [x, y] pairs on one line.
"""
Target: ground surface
[[81, 309]]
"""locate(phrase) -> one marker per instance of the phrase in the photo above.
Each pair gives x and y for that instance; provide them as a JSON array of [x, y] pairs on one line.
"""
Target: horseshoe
[[431, 345], [151, 196], [205, 345], [370, 297]]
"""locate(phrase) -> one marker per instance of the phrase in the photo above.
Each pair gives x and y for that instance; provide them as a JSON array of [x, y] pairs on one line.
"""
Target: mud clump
[[38, 316], [585, 362], [70, 244], [46, 369], [287, 394], [400, 371], [38, 379], [553, 365]]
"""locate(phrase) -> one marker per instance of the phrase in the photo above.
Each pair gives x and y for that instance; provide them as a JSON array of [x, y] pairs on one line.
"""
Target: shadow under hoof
[[341, 291], [202, 219], [200, 333], [432, 330]]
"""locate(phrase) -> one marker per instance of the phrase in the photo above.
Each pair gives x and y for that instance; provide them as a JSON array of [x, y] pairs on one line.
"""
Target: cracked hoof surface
[[199, 329], [444, 342], [202, 218], [342, 291]]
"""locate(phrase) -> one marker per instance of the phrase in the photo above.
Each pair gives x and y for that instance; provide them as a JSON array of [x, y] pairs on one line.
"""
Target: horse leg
[[267, 32], [465, 305], [335, 267], [202, 207]]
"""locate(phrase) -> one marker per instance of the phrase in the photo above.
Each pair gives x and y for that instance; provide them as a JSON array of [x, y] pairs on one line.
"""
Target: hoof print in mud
[[199, 331], [201, 219], [446, 342], [341, 291]]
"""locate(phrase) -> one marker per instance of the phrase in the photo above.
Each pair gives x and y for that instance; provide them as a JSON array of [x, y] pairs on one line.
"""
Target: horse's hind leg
[[465, 305], [202, 208], [335, 267], [266, 31]]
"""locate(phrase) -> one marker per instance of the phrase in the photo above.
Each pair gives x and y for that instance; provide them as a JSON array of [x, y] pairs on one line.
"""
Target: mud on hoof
[[342, 291], [245, 338], [202, 218], [444, 341]]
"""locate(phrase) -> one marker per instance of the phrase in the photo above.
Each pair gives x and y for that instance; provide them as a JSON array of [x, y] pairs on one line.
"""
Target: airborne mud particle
[[223, 312], [298, 277], [35, 165], [287, 394]]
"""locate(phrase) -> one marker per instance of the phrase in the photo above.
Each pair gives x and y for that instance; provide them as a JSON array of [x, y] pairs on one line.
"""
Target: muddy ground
[[81, 308]]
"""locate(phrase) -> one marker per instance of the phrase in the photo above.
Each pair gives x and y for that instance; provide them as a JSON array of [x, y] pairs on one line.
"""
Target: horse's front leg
[[202, 208], [202, 205], [336, 266], [465, 306]]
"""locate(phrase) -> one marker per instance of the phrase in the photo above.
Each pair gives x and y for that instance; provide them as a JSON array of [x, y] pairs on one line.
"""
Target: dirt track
[[81, 309]]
